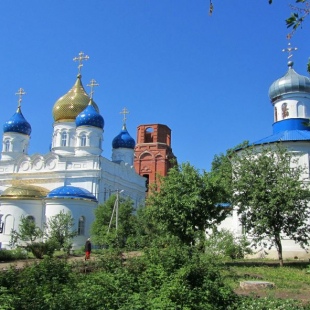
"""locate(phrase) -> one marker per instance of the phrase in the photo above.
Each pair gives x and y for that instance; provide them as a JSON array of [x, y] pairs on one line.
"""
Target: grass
[[291, 281]]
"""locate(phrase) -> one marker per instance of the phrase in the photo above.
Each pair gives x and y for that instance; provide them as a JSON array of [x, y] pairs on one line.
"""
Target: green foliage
[[60, 231], [28, 232], [40, 249], [58, 234], [186, 204], [39, 286], [104, 232], [266, 303], [224, 243], [9, 255], [221, 172], [271, 196]]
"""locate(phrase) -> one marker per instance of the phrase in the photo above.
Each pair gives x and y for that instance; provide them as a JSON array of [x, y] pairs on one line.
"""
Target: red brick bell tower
[[153, 153]]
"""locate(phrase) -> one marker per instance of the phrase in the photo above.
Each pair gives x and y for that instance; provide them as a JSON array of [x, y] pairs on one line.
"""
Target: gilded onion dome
[[69, 106], [24, 192]]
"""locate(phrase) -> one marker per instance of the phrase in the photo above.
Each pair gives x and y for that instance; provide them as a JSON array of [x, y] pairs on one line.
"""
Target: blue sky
[[166, 61]]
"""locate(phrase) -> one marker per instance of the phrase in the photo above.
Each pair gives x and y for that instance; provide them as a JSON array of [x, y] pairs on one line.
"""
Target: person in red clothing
[[87, 249]]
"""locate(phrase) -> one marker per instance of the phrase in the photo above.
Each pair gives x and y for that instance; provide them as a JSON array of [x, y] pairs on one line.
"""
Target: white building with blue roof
[[290, 97], [74, 176]]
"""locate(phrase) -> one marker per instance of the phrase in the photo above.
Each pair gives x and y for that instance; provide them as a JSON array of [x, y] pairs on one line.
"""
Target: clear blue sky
[[167, 61]]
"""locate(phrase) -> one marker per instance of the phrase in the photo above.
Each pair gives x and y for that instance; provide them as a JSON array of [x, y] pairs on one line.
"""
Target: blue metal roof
[[287, 135], [71, 192]]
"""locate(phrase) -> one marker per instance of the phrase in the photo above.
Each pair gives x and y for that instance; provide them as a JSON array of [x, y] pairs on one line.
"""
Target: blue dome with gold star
[[71, 192], [89, 117], [123, 140], [17, 123]]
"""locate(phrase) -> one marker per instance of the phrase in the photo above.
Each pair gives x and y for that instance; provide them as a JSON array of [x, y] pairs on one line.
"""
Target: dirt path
[[18, 264]]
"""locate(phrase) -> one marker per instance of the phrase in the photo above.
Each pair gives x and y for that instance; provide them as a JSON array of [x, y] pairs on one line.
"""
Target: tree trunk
[[279, 248]]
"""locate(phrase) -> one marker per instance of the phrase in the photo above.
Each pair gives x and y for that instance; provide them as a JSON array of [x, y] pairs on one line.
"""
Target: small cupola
[[17, 123]]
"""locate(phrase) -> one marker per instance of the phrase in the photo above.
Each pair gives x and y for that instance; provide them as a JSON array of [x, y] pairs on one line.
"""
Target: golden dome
[[69, 106], [24, 192]]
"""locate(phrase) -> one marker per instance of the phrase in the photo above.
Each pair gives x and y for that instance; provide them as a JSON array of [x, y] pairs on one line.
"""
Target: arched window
[[30, 218], [148, 138], [81, 227], [285, 112], [64, 137], [275, 114], [300, 110], [7, 144], [8, 224], [83, 140]]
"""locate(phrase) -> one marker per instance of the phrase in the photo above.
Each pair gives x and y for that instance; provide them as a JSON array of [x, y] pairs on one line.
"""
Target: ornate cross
[[20, 94], [92, 84], [289, 50], [80, 59], [124, 112]]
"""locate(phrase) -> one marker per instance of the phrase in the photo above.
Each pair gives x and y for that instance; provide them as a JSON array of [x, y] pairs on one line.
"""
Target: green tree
[[30, 237], [187, 204], [271, 196], [221, 172], [27, 232], [104, 230], [60, 230]]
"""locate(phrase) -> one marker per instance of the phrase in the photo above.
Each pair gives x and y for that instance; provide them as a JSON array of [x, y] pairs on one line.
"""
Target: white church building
[[74, 176], [290, 97]]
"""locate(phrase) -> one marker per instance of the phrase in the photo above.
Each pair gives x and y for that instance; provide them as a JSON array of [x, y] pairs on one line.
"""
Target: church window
[[300, 110], [285, 112], [147, 181], [275, 114], [7, 144], [64, 138], [8, 224], [83, 140], [30, 218], [81, 227], [149, 135]]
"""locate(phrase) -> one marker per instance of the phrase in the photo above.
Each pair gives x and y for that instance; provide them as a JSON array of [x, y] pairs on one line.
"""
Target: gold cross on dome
[[124, 112], [20, 94], [80, 59], [289, 50], [92, 84]]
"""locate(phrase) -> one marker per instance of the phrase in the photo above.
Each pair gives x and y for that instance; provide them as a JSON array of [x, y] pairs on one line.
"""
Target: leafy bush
[[9, 255], [224, 243], [266, 303], [40, 249]]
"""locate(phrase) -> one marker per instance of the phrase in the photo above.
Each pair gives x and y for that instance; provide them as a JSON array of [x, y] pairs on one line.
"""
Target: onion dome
[[291, 82], [17, 123], [123, 140], [90, 117], [71, 192], [24, 192], [69, 106]]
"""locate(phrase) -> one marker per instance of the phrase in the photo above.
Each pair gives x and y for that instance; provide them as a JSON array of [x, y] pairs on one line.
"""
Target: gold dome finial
[[124, 112], [20, 94], [80, 59], [92, 84]]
